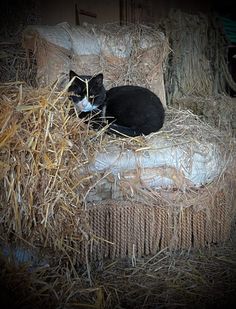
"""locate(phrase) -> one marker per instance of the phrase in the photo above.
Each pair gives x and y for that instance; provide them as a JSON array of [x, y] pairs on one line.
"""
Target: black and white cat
[[130, 110]]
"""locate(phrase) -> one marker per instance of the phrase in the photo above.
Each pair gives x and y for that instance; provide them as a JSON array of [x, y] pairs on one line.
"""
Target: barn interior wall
[[77, 12], [91, 11]]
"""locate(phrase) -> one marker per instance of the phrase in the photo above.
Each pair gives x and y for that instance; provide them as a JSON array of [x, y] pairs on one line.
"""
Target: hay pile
[[198, 64], [15, 64], [44, 195], [43, 210], [198, 76], [189, 70], [40, 147], [218, 111], [200, 278]]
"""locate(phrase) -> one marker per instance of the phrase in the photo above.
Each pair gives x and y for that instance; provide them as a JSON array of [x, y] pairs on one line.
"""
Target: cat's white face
[[85, 106], [87, 92]]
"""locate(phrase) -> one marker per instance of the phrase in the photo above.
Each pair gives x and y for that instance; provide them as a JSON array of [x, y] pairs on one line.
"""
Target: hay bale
[[132, 54], [198, 65], [47, 201]]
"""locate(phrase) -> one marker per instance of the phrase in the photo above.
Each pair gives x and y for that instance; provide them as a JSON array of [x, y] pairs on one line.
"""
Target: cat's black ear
[[72, 74], [76, 84], [98, 79]]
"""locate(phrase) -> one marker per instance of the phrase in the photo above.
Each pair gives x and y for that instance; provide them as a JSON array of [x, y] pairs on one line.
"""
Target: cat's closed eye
[[93, 97], [75, 97]]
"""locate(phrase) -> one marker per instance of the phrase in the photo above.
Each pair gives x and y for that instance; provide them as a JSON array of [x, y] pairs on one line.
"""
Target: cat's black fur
[[131, 110]]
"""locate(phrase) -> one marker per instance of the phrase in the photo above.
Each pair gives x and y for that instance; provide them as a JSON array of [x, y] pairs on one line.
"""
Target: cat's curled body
[[131, 110]]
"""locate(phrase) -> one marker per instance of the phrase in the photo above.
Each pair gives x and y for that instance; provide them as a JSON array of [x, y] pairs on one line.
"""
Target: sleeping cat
[[130, 110]]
